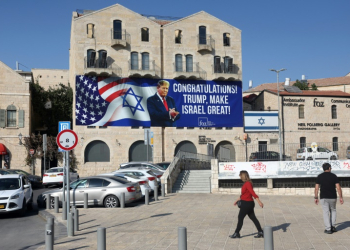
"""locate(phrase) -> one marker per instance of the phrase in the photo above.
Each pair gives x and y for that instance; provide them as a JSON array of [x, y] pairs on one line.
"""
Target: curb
[[45, 215]]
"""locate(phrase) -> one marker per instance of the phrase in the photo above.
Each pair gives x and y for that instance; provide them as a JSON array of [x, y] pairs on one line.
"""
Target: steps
[[193, 181]]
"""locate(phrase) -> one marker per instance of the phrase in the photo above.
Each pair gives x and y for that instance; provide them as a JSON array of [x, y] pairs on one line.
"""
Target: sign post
[[67, 140]]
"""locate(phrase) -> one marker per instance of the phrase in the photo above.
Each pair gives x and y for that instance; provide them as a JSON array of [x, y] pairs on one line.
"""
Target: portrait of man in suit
[[161, 107]]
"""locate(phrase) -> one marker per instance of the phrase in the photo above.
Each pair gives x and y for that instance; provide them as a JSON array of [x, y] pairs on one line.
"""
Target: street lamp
[[279, 120], [20, 139]]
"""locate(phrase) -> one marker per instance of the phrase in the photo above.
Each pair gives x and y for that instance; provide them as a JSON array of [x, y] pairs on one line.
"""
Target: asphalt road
[[27, 232]]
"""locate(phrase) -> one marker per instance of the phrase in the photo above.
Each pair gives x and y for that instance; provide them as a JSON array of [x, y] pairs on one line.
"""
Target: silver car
[[102, 191], [139, 164]]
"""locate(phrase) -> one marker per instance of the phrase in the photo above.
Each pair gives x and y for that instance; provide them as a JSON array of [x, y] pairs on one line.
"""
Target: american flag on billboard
[[114, 101]]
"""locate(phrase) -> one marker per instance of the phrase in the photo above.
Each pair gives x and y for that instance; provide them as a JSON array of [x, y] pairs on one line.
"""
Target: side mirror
[[26, 186]]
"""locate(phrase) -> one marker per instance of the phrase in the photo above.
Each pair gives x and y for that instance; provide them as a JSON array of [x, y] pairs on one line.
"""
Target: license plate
[[2, 206], [53, 175]]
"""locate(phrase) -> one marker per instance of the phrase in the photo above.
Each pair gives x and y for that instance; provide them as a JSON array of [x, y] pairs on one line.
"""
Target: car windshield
[[132, 176], [151, 173], [10, 184], [164, 165], [21, 172], [78, 183], [55, 170]]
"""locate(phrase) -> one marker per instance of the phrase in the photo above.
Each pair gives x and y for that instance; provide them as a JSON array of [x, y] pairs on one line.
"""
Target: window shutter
[[21, 118], [2, 118]]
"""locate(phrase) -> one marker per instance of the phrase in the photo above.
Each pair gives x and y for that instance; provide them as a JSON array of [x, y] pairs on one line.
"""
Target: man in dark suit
[[161, 108]]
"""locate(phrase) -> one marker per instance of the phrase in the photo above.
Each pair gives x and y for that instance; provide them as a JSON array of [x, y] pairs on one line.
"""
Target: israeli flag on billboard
[[261, 121]]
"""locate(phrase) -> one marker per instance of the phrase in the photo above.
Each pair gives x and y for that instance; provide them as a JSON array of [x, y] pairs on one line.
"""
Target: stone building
[[116, 41], [50, 77], [15, 113]]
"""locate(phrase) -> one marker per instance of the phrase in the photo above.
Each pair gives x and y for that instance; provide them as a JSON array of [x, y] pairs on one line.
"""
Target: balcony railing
[[184, 69], [205, 43], [100, 66], [225, 72], [119, 37], [143, 68]]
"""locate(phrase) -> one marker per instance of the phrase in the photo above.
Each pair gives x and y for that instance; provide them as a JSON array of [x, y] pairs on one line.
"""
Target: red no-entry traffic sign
[[67, 139], [31, 151]]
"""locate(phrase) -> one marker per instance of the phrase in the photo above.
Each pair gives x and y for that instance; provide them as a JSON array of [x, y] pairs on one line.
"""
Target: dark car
[[35, 180], [164, 164], [268, 156]]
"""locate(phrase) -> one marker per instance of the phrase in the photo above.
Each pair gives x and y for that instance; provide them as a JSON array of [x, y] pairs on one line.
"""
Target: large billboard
[[101, 101]]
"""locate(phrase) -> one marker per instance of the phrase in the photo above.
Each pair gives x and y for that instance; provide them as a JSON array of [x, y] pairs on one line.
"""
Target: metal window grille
[[302, 142], [335, 143], [301, 112], [334, 111]]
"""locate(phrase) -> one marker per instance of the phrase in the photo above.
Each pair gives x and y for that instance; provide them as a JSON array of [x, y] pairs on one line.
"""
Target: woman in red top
[[247, 206]]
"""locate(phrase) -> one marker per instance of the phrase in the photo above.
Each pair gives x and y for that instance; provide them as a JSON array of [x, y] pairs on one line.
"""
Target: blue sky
[[307, 37]]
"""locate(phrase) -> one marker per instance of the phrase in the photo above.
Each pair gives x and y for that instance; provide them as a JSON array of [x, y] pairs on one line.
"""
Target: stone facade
[[14, 92], [50, 77]]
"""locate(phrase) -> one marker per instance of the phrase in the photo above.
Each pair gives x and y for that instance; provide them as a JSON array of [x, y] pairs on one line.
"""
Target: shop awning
[[3, 150]]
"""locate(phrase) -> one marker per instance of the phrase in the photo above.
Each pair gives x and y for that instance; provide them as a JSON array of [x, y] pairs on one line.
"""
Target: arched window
[[217, 64], [97, 151], [301, 112], [302, 142], [189, 63], [145, 34], [186, 146], [145, 61], [11, 116], [140, 152], [134, 60], [90, 30], [335, 143], [226, 37], [178, 63], [102, 59], [334, 111], [91, 57], [202, 35], [228, 64], [178, 36], [117, 29]]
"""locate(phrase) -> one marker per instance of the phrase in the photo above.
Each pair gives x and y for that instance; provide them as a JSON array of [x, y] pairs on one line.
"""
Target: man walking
[[328, 182]]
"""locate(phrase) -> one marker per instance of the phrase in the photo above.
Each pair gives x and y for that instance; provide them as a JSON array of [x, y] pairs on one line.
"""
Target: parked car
[[35, 180], [268, 156], [54, 176], [142, 172], [164, 164], [142, 181], [147, 165], [16, 193], [306, 153], [156, 173], [102, 191], [3, 172]]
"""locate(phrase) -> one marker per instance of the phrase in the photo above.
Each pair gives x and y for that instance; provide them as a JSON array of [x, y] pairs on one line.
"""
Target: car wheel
[[333, 158], [111, 201]]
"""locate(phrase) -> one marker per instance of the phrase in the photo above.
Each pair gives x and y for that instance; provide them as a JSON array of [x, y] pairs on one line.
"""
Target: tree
[[314, 87], [302, 85]]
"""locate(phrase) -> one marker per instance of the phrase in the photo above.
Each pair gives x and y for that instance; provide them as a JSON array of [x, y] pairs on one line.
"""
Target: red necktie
[[165, 104]]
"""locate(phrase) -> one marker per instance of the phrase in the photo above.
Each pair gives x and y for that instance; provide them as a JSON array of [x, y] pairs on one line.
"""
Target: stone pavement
[[210, 218]]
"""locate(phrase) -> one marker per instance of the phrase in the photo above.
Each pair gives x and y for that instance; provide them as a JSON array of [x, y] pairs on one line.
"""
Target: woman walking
[[247, 205]]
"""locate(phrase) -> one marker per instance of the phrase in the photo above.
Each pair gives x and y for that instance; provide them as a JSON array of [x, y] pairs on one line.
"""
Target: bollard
[[147, 197], [268, 238], [155, 195], [76, 220], [51, 221], [182, 238], [48, 201], [101, 238], [64, 210], [57, 204], [122, 200], [163, 190], [86, 200], [49, 237], [70, 228]]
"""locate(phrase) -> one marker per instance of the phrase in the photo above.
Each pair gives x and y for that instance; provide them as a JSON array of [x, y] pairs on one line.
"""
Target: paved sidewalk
[[210, 218]]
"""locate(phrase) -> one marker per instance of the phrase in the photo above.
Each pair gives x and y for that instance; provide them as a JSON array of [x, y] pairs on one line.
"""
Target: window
[[178, 63], [334, 111], [228, 64], [134, 60], [335, 143], [145, 34], [102, 59], [202, 35], [97, 151], [95, 183], [11, 116], [178, 36], [302, 142], [301, 112], [90, 30], [145, 61], [217, 64], [117, 29], [91, 56], [226, 39], [189, 63]]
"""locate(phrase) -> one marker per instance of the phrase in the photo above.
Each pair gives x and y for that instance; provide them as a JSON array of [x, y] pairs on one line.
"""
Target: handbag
[[239, 203]]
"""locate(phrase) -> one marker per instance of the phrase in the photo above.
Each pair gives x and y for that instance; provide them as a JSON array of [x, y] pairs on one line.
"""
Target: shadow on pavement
[[282, 226], [343, 225]]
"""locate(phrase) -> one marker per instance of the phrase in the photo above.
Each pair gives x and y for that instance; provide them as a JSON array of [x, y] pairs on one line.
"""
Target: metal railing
[[206, 40], [108, 63], [188, 68], [120, 35], [225, 69], [145, 66]]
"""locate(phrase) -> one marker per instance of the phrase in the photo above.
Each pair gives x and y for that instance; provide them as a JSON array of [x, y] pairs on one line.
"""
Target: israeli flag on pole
[[261, 121]]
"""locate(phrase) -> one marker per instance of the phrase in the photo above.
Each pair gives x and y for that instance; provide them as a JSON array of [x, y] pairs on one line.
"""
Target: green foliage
[[314, 87], [302, 85], [61, 99]]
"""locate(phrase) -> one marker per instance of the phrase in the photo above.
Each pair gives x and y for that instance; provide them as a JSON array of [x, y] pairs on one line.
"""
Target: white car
[[152, 179], [156, 173], [16, 193], [140, 164], [142, 181], [54, 176], [306, 154]]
